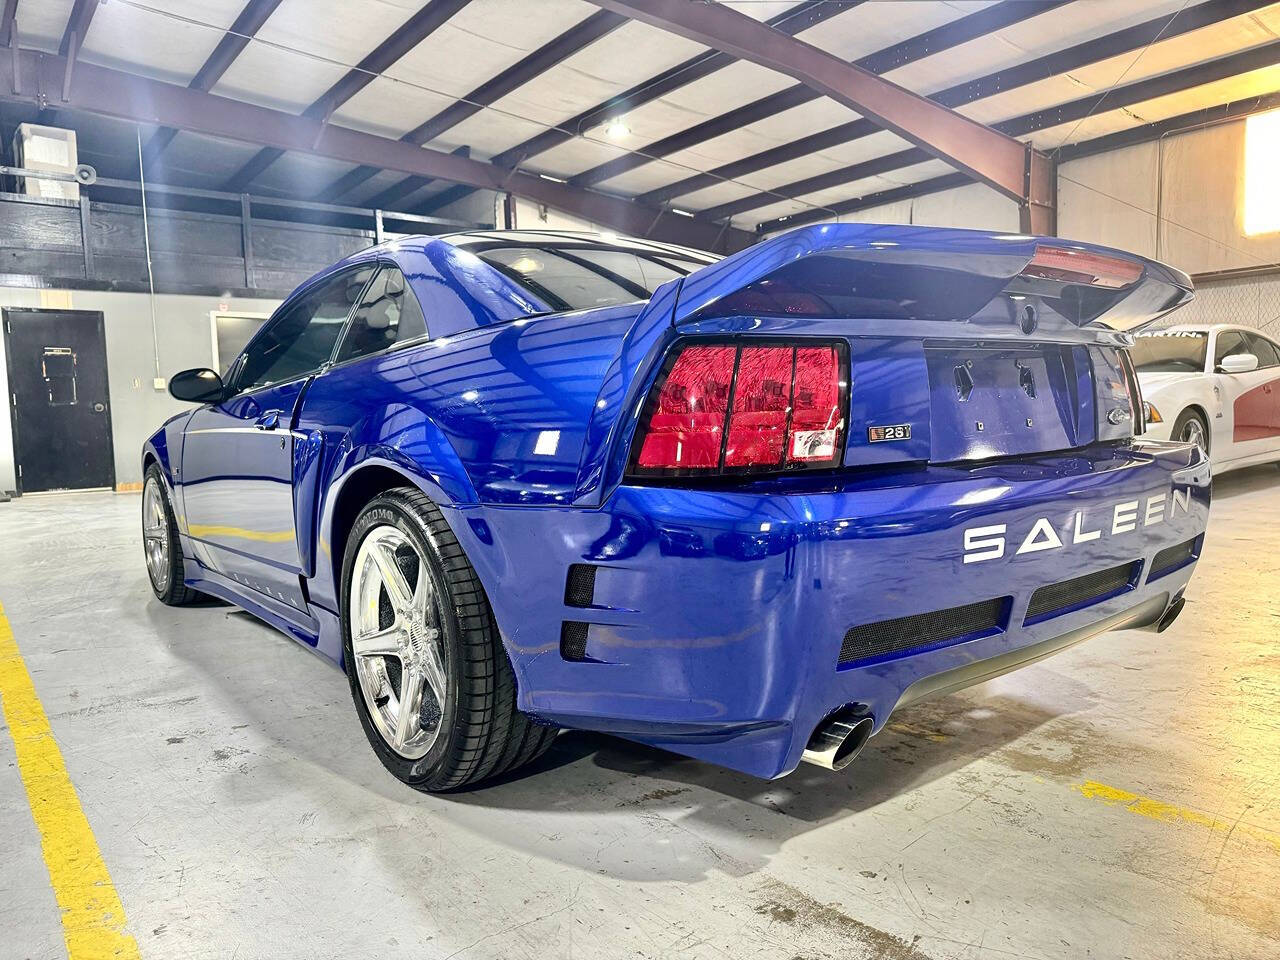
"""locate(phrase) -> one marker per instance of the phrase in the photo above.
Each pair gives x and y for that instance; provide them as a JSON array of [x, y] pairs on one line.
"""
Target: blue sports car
[[741, 509]]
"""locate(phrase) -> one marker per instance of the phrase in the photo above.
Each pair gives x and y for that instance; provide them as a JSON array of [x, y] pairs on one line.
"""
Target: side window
[[1229, 342], [1264, 350], [302, 339], [388, 314], [565, 284], [646, 275]]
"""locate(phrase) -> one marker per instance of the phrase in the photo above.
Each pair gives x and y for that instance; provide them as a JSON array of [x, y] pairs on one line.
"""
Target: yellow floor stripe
[[1169, 813], [93, 921]]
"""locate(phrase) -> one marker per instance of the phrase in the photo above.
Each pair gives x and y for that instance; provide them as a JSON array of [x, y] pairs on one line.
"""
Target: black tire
[[1180, 426], [169, 590], [482, 734]]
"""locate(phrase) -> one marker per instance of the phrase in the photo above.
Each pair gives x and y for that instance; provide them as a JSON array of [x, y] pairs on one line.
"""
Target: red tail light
[[1082, 266], [745, 409]]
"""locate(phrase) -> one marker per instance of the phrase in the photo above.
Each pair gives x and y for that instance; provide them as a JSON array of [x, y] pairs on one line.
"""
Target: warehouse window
[[1261, 161]]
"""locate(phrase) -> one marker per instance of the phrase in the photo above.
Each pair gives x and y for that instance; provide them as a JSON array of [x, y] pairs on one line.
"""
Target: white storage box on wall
[[50, 150]]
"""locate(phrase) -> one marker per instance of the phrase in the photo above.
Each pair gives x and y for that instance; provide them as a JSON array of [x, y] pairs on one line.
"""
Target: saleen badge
[[990, 542]]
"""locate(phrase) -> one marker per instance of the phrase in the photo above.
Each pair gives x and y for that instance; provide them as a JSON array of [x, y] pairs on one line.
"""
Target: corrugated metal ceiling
[[305, 46]]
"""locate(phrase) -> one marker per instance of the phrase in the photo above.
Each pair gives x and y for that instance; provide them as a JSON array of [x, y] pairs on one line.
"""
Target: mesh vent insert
[[573, 640], [1171, 558], [1058, 598], [933, 629], [580, 585]]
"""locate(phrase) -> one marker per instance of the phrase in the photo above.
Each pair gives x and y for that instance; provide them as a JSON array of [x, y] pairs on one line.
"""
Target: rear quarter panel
[[495, 416]]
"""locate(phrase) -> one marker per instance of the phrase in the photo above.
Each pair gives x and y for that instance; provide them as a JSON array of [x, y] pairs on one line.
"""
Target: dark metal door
[[57, 362]]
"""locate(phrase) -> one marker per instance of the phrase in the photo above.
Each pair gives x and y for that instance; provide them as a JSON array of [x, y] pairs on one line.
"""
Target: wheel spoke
[[408, 724], [377, 643], [433, 666], [398, 591]]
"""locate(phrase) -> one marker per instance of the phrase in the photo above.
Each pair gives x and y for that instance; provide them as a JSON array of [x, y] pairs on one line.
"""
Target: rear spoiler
[[884, 272]]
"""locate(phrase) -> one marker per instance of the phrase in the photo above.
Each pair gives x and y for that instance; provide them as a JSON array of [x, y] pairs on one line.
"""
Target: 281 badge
[[897, 431]]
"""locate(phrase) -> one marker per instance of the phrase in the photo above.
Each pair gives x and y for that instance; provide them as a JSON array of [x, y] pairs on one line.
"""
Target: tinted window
[[1263, 349], [302, 339], [581, 277], [1174, 351], [1232, 341], [388, 314], [648, 275]]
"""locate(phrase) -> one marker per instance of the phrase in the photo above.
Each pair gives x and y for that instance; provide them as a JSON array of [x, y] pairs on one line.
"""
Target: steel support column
[[1039, 214]]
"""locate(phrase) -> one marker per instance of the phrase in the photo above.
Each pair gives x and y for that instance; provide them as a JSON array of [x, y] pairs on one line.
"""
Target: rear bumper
[[718, 618]]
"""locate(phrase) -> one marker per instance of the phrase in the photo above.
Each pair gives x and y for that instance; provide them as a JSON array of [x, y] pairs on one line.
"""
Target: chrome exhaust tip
[[838, 740], [1170, 615]]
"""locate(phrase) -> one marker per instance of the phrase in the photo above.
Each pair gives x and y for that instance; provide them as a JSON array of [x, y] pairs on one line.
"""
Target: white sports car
[[1218, 386]]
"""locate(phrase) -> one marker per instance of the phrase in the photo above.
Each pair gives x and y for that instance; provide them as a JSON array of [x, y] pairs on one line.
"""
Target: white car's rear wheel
[[1191, 428]]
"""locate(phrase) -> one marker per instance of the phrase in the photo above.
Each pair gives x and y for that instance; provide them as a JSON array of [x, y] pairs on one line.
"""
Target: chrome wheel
[[1193, 432], [396, 639], [155, 534]]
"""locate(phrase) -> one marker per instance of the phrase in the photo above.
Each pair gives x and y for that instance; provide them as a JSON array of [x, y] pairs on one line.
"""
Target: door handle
[[268, 421]]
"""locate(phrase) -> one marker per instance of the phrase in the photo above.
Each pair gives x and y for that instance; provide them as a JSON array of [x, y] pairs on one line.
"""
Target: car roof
[[570, 238]]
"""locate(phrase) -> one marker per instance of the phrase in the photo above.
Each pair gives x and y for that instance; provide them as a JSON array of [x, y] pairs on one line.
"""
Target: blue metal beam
[[577, 37], [922, 45], [429, 18], [1140, 91], [1051, 65], [242, 29]]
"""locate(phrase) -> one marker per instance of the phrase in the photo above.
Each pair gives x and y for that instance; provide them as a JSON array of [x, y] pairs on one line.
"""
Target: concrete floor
[[1120, 800]]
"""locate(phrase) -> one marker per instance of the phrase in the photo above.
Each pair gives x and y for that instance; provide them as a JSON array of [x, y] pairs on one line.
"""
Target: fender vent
[[1174, 558], [573, 640], [580, 585], [874, 641], [1059, 598]]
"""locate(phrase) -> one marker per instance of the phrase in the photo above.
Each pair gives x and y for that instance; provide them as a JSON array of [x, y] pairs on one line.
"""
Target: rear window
[[577, 278], [1170, 351]]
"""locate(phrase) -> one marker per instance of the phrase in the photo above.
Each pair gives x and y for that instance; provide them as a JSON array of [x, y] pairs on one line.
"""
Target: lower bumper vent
[[923, 630], [1059, 598], [573, 640], [580, 585], [1172, 558]]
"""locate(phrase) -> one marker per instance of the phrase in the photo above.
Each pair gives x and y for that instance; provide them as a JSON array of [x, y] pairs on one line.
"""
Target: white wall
[[479, 206], [975, 206], [534, 216], [1194, 181], [185, 340]]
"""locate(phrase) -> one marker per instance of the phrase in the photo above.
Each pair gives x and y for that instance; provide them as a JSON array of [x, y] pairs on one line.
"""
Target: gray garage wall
[[185, 340]]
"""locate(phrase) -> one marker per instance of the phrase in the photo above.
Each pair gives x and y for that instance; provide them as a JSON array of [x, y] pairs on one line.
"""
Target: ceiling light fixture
[[616, 129]]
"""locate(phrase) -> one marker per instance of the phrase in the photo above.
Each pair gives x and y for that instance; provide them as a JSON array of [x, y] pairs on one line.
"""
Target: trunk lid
[[962, 345]]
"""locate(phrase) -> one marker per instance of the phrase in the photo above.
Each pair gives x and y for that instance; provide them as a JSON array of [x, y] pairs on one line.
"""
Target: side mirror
[[1238, 363], [197, 386]]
